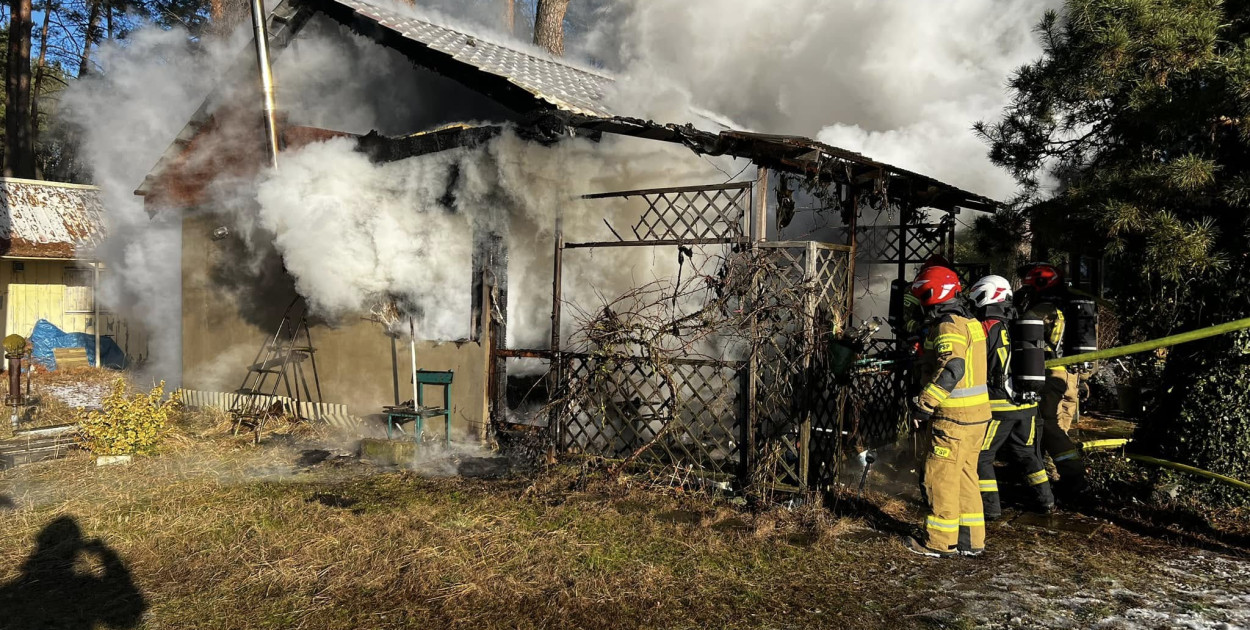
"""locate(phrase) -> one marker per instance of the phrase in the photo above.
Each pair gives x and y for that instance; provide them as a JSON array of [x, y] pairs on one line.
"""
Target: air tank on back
[[1081, 330], [898, 307], [1028, 355]]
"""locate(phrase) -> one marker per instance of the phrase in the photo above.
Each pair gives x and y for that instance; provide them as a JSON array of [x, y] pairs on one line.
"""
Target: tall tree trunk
[[19, 153], [509, 16], [549, 25], [38, 87], [227, 14], [92, 34]]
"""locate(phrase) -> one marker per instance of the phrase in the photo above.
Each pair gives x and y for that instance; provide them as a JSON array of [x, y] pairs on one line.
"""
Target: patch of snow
[[84, 395], [1196, 592]]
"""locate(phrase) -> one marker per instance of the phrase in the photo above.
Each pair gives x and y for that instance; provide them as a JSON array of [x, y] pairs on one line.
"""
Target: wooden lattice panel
[[698, 214], [806, 295], [883, 244], [695, 215], [618, 405]]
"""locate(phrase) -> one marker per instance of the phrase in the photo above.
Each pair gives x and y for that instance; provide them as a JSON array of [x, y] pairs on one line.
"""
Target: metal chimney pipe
[[259, 20]]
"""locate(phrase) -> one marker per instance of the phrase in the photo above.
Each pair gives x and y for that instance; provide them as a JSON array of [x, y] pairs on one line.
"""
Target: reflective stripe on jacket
[[1052, 321], [953, 371]]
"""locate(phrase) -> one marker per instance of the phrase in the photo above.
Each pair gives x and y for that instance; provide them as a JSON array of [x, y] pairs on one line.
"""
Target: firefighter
[[1015, 429], [954, 409], [1043, 299]]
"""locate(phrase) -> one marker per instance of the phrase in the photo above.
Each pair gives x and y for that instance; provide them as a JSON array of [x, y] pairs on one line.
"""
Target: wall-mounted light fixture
[[220, 233]]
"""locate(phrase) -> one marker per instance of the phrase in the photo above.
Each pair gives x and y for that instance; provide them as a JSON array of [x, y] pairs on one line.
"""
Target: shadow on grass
[[1172, 525], [69, 582], [853, 506]]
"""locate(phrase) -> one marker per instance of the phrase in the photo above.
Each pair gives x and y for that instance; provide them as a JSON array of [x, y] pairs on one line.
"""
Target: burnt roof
[[48, 219], [533, 83]]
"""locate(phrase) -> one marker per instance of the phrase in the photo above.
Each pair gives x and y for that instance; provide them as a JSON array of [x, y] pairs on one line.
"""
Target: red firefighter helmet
[[1042, 277], [935, 285]]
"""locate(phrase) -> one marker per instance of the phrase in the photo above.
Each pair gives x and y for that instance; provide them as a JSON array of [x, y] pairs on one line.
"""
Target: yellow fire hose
[[1189, 469], [1144, 346], [1153, 344], [1094, 445]]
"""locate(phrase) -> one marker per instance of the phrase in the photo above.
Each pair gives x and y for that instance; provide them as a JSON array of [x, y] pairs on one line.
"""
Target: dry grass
[[217, 533], [45, 407]]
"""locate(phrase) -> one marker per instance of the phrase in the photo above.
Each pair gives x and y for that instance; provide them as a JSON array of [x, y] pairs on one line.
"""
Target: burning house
[[494, 199]]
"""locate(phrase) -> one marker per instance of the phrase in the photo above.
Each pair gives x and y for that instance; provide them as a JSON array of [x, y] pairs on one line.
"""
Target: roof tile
[[568, 87]]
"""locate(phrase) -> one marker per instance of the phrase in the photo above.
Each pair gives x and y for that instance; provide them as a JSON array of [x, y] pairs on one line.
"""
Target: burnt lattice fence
[[686, 413], [726, 373], [803, 298], [747, 420]]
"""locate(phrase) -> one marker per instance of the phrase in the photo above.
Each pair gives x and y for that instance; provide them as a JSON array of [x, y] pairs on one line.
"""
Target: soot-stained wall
[[231, 306]]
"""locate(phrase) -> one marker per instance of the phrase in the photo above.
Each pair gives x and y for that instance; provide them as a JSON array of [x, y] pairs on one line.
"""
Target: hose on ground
[[1094, 445], [1189, 469]]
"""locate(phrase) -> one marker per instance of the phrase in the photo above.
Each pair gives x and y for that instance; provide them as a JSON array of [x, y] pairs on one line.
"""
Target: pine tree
[[549, 25], [1140, 111]]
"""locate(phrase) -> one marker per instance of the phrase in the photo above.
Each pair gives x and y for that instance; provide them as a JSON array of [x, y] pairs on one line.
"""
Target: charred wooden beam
[[381, 148], [517, 353], [674, 189]]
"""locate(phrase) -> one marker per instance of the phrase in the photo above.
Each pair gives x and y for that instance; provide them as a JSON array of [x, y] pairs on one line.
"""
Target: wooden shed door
[[79, 300]]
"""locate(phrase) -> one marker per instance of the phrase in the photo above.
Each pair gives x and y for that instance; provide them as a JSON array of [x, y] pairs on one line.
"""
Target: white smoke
[[129, 113], [901, 82], [353, 233]]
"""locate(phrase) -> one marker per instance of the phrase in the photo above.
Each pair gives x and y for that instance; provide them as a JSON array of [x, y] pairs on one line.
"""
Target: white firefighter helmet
[[990, 290]]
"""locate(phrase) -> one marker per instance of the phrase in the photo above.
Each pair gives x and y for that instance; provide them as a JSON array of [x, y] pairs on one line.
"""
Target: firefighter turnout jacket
[[953, 370], [955, 398]]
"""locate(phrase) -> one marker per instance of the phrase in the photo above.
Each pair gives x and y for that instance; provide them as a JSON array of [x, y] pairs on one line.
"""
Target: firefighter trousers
[[956, 520], [1059, 408], [1014, 436], [1060, 398]]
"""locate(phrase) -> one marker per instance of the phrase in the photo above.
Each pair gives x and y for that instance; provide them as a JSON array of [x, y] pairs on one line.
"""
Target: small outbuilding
[[48, 269]]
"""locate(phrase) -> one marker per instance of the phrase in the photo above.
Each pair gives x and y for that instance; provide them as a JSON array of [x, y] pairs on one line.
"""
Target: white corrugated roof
[[48, 219]]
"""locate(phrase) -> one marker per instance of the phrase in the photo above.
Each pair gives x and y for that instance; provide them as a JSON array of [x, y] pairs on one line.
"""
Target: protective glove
[[919, 415]]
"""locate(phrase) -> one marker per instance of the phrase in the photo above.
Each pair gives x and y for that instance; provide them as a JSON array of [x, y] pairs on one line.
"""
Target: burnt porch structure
[[776, 417]]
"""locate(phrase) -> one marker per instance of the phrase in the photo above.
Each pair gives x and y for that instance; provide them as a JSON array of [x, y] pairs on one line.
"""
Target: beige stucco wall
[[225, 322]]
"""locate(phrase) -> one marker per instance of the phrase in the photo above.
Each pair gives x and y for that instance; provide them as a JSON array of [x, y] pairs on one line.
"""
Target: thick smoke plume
[[901, 82], [353, 233], [128, 114]]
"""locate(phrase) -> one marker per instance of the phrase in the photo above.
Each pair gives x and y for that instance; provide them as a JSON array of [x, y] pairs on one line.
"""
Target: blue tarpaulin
[[47, 337]]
